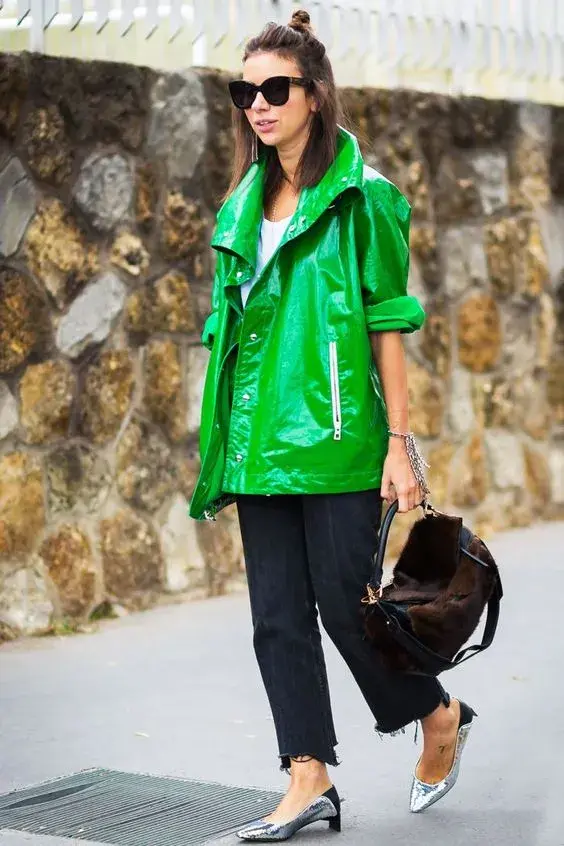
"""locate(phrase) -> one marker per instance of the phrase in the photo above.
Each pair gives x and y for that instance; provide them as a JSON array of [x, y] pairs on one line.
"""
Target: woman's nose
[[259, 103]]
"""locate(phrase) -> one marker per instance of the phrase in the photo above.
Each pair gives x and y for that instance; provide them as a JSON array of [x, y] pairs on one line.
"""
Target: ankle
[[309, 774], [442, 719]]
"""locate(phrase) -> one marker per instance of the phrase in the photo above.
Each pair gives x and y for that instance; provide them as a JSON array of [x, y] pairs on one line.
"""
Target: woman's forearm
[[389, 356]]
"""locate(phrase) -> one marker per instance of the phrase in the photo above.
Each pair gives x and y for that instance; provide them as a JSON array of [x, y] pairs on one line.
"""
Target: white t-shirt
[[271, 233]]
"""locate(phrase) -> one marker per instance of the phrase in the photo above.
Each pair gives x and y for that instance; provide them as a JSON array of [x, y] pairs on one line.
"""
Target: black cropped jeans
[[313, 552]]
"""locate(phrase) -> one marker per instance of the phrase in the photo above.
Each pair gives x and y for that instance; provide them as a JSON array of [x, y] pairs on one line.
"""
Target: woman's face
[[278, 126]]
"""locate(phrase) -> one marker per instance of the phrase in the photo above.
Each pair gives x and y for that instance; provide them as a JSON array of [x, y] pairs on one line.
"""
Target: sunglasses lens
[[276, 90], [242, 93]]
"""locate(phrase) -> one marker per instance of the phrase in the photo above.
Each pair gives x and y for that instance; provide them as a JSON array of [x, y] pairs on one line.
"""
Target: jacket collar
[[239, 219]]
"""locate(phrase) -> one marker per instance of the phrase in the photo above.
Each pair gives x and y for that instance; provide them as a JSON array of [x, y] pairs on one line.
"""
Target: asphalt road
[[174, 691]]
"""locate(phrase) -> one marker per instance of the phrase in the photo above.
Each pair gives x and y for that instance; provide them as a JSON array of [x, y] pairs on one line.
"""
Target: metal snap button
[[253, 336], [246, 397], [239, 457]]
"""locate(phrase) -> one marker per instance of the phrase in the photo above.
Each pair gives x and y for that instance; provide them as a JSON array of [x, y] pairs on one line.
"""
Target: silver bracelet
[[418, 463]]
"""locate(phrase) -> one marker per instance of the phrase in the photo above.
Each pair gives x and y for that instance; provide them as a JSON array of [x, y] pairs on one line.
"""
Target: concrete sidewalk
[[175, 691]]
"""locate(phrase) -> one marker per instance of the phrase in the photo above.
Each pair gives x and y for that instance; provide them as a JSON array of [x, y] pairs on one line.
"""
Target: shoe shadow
[[435, 828]]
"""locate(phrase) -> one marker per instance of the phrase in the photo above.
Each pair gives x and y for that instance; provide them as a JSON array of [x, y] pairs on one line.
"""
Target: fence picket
[[512, 48]]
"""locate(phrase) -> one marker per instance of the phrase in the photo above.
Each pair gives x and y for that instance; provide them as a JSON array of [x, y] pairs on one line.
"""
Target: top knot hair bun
[[301, 22]]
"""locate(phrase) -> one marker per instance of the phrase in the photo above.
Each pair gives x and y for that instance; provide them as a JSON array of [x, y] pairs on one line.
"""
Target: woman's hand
[[398, 479]]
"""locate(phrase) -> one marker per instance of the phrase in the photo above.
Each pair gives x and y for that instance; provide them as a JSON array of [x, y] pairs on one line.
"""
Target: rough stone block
[[436, 341], [495, 401], [546, 330], [529, 159], [222, 549], [106, 395], [184, 563], [25, 604], [519, 332], [426, 401], [556, 462], [464, 259], [8, 411], [439, 473], [129, 253], [164, 392], [470, 474], [423, 244], [183, 229], [145, 467], [196, 368], [477, 122], [48, 150], [24, 320], [505, 459], [415, 181], [58, 252], [46, 397], [491, 171], [103, 102], [147, 191], [78, 479], [556, 161], [131, 558], [555, 387], [163, 306], [456, 195], [479, 333], [461, 418], [537, 477], [90, 317], [178, 128], [104, 190], [22, 507], [68, 558], [17, 205], [13, 91], [534, 410]]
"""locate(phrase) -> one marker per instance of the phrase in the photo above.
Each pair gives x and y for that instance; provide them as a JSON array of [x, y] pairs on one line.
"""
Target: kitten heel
[[335, 822]]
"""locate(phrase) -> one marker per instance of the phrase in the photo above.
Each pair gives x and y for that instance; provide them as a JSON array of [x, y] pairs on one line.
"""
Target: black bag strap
[[378, 570], [431, 662]]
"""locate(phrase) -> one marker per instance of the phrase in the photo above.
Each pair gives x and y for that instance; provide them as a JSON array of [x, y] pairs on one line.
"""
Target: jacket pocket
[[335, 390]]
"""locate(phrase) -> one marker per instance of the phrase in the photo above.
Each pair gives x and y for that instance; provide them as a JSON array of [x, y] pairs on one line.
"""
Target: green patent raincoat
[[292, 401]]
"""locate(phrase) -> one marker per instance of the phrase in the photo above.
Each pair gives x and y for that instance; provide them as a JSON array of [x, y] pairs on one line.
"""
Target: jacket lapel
[[239, 219]]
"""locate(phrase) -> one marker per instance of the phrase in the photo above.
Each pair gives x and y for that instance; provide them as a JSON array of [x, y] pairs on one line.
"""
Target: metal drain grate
[[133, 809]]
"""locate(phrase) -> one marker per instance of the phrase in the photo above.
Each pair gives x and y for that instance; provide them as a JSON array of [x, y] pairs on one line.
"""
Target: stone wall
[[109, 180]]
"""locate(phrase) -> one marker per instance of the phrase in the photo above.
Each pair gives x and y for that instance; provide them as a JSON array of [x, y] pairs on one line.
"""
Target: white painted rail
[[494, 48]]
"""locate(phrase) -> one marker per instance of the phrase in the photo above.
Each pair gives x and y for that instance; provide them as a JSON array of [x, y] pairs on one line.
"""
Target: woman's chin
[[270, 140]]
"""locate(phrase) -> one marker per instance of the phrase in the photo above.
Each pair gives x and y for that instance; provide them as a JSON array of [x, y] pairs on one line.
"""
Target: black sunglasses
[[275, 90]]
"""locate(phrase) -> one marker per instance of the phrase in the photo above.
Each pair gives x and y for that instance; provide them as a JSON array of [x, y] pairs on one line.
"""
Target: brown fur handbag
[[443, 580]]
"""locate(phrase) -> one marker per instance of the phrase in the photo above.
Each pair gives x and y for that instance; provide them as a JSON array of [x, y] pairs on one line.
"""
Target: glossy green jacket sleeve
[[384, 261]]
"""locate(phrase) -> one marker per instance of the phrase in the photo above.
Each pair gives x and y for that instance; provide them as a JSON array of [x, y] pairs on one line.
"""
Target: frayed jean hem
[[331, 760]]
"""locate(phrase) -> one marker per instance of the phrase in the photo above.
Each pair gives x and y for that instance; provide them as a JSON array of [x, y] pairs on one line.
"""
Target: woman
[[309, 304]]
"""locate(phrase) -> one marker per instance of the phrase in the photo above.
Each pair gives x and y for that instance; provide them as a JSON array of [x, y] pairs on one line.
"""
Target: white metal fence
[[496, 48]]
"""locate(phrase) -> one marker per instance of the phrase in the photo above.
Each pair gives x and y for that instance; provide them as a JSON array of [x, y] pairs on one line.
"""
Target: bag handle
[[378, 570]]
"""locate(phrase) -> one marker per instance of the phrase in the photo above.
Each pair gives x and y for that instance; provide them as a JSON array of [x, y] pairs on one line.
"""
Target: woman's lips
[[265, 127]]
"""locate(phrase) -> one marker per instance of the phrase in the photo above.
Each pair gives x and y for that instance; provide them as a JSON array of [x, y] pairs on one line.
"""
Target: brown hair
[[295, 41]]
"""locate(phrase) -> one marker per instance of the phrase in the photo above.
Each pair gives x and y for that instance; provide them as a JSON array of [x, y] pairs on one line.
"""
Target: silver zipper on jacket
[[335, 390]]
